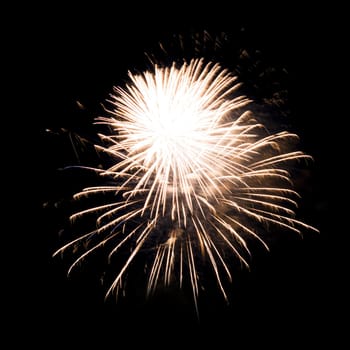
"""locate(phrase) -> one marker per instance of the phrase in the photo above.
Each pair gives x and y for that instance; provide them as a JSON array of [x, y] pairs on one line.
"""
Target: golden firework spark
[[194, 173]]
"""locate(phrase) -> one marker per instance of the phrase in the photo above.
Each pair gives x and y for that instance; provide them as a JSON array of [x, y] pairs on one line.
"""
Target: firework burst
[[194, 178]]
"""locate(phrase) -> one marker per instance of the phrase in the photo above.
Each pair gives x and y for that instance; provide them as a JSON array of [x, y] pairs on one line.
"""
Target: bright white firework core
[[172, 124]]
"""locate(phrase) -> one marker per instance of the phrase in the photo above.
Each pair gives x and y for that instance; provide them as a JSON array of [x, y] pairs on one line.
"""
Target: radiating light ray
[[194, 175]]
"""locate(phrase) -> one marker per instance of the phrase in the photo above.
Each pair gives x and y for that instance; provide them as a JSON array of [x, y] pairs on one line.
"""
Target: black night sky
[[292, 295]]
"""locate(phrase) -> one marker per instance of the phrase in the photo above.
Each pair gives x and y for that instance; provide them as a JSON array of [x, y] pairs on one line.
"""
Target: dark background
[[293, 295]]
